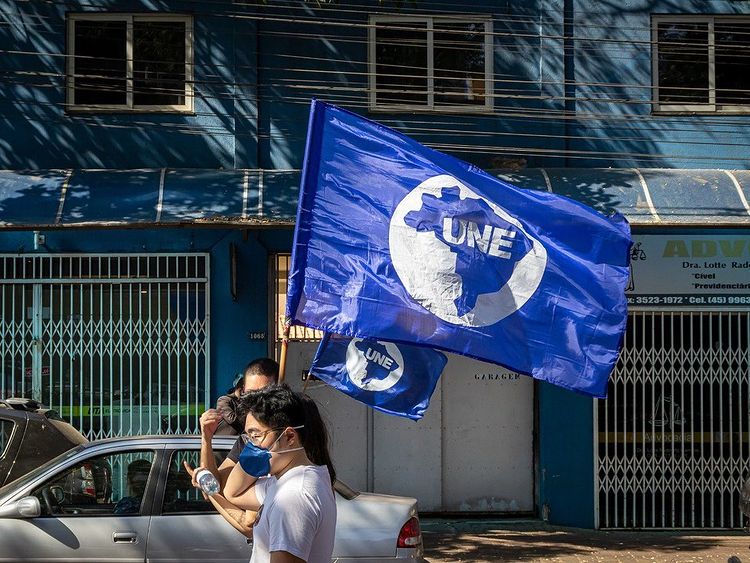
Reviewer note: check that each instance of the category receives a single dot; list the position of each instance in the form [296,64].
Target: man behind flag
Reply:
[395,379]
[399,242]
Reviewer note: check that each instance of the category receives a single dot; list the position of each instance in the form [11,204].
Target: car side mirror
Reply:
[26,507]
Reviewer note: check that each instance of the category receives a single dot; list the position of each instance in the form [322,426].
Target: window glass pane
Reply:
[180,496]
[158,63]
[100,62]
[683,62]
[104,485]
[6,429]
[732,63]
[459,63]
[401,63]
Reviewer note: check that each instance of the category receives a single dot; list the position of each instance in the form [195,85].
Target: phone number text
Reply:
[687,300]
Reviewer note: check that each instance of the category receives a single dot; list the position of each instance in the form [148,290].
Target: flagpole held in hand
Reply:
[284,346]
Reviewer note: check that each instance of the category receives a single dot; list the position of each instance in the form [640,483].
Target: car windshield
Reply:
[21,481]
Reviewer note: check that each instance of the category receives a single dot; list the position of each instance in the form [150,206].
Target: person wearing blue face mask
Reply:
[256,460]
[285,473]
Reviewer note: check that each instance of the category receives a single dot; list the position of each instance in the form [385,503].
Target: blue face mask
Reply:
[256,461]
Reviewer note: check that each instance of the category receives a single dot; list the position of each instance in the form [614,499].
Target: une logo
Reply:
[373,365]
[461,256]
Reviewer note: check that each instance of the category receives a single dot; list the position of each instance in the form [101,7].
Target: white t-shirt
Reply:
[298,515]
[262,486]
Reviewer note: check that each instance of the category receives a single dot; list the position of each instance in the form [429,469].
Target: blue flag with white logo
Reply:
[393,378]
[397,241]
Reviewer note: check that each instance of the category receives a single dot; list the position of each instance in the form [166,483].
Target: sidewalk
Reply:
[531,540]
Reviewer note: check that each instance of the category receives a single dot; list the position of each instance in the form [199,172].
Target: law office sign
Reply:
[685,271]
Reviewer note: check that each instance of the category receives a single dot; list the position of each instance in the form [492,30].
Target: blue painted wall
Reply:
[36,131]
[256,68]
[613,78]
[524,80]
[566,456]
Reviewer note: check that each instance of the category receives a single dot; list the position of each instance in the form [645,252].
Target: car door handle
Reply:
[125,537]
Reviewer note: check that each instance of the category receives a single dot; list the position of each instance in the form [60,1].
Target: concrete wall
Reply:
[473,452]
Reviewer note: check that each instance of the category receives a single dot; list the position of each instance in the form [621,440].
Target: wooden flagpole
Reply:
[284,346]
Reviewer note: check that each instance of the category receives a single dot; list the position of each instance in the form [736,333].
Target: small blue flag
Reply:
[395,379]
[399,242]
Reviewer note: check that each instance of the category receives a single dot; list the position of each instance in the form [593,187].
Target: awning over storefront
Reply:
[65,198]
[258,198]
[649,196]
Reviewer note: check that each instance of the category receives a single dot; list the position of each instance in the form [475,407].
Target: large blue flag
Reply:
[393,378]
[399,242]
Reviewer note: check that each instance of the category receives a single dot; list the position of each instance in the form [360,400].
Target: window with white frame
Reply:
[131,62]
[701,63]
[434,63]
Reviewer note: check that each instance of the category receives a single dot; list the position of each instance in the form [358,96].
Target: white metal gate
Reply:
[118,344]
[672,438]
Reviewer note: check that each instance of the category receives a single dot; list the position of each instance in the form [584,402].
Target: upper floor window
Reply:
[701,63]
[130,62]
[433,63]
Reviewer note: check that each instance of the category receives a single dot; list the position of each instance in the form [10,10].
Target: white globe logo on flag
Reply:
[364,363]
[427,265]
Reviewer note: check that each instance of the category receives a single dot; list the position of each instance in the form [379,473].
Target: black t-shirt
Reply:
[234,453]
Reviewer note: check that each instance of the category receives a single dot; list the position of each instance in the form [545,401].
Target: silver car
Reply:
[130,500]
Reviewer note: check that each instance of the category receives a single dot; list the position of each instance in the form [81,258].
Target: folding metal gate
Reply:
[118,344]
[672,438]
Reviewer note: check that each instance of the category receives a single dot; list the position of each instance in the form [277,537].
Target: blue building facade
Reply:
[139,128]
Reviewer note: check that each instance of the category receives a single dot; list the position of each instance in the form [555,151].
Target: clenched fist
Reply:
[209,422]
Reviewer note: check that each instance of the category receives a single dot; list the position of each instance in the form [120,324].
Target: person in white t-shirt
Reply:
[286,439]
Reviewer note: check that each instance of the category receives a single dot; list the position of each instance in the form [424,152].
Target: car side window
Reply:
[180,497]
[6,429]
[112,484]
